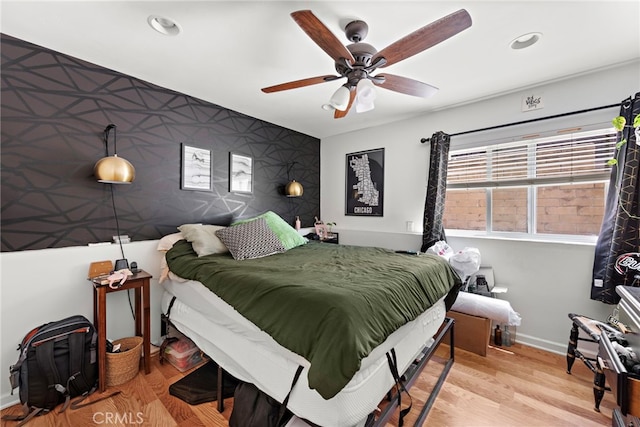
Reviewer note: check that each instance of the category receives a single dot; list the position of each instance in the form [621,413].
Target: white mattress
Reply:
[251,355]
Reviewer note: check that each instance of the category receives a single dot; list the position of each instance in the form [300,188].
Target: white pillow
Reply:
[169,240]
[164,245]
[164,269]
[203,238]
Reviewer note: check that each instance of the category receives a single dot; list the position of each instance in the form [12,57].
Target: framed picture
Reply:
[196,169]
[240,173]
[365,183]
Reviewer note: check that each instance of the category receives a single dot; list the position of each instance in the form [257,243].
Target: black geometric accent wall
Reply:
[54,111]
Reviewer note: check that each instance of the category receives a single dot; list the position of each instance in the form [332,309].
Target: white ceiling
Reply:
[229,50]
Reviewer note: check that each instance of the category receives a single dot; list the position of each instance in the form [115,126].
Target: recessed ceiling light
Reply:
[525,40]
[163,25]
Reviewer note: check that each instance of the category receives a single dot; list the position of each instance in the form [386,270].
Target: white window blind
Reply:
[566,158]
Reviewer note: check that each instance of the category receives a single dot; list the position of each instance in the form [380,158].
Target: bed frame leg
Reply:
[443,376]
[220,390]
[414,372]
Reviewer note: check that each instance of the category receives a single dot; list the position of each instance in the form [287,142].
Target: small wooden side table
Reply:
[140,282]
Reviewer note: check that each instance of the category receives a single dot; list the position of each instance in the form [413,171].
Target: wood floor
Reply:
[512,386]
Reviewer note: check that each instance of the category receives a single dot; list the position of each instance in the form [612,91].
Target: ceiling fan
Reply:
[358,61]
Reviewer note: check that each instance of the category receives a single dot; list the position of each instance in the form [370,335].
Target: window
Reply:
[553,186]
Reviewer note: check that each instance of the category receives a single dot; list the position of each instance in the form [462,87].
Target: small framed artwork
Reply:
[240,173]
[196,171]
[365,183]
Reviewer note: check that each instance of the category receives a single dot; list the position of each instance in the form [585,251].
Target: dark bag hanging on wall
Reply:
[254,408]
[57,362]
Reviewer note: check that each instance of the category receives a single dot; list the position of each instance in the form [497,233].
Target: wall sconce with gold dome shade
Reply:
[113,169]
[293,187]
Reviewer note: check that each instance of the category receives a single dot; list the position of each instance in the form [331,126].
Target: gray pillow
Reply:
[203,238]
[250,240]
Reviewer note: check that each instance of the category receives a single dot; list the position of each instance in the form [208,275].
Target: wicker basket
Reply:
[123,366]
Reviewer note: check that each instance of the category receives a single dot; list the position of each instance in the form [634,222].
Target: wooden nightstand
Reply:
[140,282]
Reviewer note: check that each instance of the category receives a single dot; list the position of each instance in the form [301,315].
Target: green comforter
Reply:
[331,304]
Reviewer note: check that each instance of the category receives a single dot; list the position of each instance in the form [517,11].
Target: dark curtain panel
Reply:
[436,189]
[617,257]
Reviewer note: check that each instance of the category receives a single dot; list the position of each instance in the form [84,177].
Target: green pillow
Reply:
[288,235]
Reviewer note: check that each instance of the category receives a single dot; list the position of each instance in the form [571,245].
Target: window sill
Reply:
[523,237]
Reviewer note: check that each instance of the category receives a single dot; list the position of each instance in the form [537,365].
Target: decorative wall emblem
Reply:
[628,262]
[532,102]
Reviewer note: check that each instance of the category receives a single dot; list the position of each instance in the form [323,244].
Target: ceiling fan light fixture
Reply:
[365,95]
[359,60]
[165,26]
[525,41]
[339,100]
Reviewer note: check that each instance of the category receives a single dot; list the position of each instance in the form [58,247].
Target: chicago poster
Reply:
[365,183]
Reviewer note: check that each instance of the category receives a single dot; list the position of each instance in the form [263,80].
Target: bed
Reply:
[336,310]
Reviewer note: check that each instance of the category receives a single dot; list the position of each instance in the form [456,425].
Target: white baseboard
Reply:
[9,400]
[586,348]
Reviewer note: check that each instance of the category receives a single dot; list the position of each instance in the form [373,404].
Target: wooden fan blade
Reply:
[407,86]
[425,37]
[338,114]
[300,83]
[321,35]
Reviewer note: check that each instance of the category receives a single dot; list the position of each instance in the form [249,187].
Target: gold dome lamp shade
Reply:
[113,169]
[293,189]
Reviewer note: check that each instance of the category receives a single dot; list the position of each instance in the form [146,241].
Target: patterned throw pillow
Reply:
[250,240]
[288,235]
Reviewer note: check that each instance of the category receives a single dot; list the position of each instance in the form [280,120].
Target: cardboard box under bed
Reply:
[472,333]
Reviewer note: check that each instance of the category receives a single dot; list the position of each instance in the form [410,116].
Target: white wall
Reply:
[546,280]
[46,285]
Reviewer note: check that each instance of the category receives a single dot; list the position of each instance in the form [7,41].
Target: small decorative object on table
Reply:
[497,337]
[330,225]
[321,229]
[117,278]
[506,337]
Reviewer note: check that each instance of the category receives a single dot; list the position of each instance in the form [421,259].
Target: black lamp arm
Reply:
[106,139]
[289,167]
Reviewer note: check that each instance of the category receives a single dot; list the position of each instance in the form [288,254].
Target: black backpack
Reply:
[254,408]
[58,361]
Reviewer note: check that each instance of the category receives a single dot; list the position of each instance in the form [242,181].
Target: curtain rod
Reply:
[423,140]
